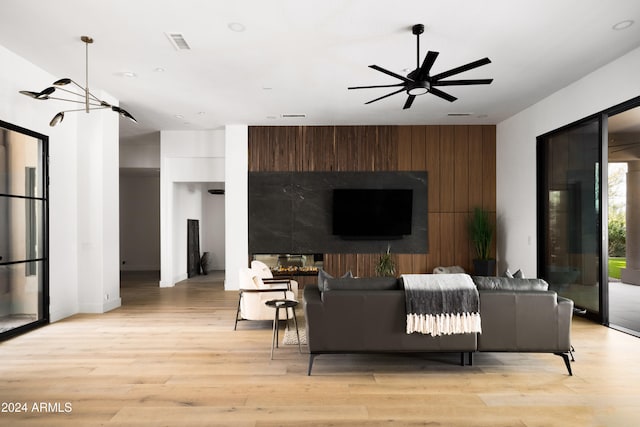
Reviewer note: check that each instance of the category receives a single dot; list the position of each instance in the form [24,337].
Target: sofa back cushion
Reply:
[360,284]
[509,284]
[323,276]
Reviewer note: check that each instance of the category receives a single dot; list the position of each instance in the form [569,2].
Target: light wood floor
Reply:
[170,357]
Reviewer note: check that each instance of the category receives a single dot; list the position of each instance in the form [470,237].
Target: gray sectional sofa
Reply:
[369,315]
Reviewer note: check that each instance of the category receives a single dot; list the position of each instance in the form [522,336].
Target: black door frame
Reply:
[45,302]
[602,118]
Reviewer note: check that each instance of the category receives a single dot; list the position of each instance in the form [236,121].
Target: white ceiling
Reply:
[299,56]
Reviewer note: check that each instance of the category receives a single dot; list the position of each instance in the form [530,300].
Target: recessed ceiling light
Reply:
[201,113]
[179,116]
[482,116]
[159,70]
[266,88]
[623,25]
[129,74]
[236,26]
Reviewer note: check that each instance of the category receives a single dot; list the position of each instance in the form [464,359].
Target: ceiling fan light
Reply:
[419,88]
[56,119]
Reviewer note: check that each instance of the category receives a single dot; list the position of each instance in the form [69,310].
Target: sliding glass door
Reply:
[23,230]
[570,212]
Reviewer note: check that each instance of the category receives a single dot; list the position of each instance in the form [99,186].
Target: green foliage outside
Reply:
[615,264]
[617,236]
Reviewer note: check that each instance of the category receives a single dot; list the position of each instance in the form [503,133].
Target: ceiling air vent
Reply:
[459,114]
[294,116]
[178,41]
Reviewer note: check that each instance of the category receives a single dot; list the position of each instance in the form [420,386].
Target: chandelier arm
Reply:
[70,91]
[83,109]
[94,97]
[77,102]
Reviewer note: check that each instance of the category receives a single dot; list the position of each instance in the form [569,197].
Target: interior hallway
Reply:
[169,356]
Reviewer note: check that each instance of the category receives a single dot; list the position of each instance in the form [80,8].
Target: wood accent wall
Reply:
[460,161]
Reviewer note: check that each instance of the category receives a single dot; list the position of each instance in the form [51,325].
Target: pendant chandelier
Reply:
[85,97]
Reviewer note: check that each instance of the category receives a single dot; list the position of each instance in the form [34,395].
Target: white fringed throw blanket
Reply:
[441,304]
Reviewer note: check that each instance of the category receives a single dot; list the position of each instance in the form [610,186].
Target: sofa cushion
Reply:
[509,284]
[323,276]
[362,283]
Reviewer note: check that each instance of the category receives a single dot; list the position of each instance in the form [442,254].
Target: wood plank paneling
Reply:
[404,148]
[404,264]
[462,255]
[461,169]
[432,161]
[447,169]
[447,239]
[489,168]
[318,148]
[459,160]
[476,177]
[418,148]
[386,156]
[433,256]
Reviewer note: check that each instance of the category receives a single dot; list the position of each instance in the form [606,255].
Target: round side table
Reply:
[286,304]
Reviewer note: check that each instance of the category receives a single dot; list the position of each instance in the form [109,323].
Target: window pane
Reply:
[21,229]
[19,153]
[21,295]
[571,256]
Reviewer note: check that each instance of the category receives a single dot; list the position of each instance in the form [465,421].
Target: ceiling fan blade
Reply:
[409,101]
[429,59]
[461,69]
[371,87]
[441,94]
[384,96]
[390,73]
[462,82]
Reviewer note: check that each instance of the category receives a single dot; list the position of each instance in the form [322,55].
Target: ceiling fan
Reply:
[419,81]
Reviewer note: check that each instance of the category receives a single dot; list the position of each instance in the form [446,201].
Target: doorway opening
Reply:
[623,226]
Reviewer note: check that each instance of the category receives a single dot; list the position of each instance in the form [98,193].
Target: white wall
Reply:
[186,157]
[236,203]
[98,210]
[139,221]
[67,143]
[212,227]
[610,85]
[141,152]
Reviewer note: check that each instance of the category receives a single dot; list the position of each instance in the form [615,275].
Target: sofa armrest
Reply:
[527,321]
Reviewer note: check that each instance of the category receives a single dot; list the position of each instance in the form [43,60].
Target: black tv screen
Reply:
[372,213]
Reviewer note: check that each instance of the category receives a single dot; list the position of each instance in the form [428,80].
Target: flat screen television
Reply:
[372,213]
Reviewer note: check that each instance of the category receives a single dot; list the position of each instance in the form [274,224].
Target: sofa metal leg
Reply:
[311,357]
[462,358]
[471,358]
[573,350]
[567,362]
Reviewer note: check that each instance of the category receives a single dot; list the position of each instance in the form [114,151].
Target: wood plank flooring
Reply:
[170,357]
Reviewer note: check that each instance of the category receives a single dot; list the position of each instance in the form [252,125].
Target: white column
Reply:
[236,203]
[631,274]
[98,211]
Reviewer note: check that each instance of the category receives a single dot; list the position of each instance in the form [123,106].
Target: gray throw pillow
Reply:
[362,283]
[323,276]
[509,284]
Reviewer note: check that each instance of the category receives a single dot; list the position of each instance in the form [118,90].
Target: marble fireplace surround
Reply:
[291,212]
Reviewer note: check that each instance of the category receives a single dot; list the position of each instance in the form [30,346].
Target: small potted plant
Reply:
[386,267]
[481,234]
